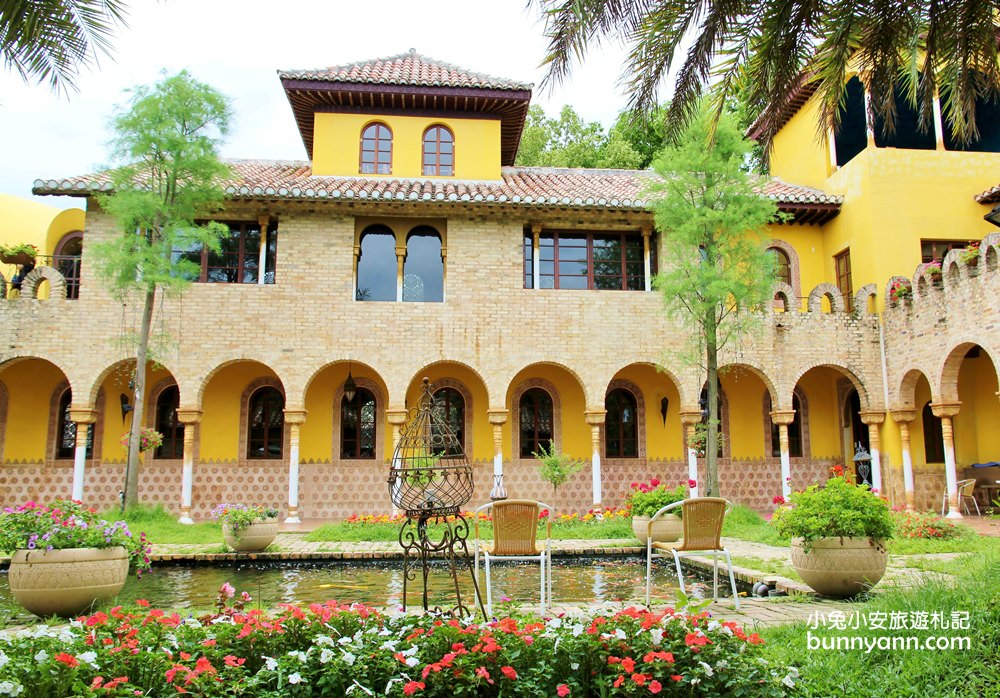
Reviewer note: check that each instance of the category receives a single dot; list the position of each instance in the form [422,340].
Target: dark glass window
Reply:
[66,430]
[266,422]
[423,270]
[794,429]
[851,136]
[536,416]
[67,261]
[166,423]
[357,425]
[377,265]
[238,258]
[450,407]
[935,250]
[621,425]
[782,265]
[439,152]
[599,261]
[842,263]
[376,150]
[933,436]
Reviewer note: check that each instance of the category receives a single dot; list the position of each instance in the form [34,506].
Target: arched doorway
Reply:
[855,434]
[66,260]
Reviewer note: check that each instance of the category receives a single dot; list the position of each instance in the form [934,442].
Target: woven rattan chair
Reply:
[515,537]
[965,495]
[703,517]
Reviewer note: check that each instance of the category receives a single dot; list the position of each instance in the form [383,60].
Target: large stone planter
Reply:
[840,567]
[66,582]
[666,529]
[252,538]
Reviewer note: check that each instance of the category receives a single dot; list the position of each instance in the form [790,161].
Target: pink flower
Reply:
[227,590]
[562,690]
[778,499]
[509,672]
[692,483]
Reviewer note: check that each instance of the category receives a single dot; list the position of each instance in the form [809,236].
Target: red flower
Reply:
[655,687]
[628,664]
[509,672]
[208,643]
[67,659]
[692,483]
[142,602]
[619,681]
[677,677]
[640,679]
[562,690]
[778,499]
[412,687]
[232,660]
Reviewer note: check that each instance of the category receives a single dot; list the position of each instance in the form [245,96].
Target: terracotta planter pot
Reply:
[66,582]
[840,567]
[666,529]
[252,538]
[19,259]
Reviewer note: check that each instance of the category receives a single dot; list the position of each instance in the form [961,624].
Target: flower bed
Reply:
[910,524]
[336,650]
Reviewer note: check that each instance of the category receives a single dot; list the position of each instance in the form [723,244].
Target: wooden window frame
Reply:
[625,237]
[69,264]
[355,406]
[172,447]
[267,441]
[445,405]
[435,164]
[621,435]
[376,140]
[242,256]
[526,451]
[947,245]
[842,272]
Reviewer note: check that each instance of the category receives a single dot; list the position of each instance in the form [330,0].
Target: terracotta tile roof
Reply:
[409,68]
[518,186]
[990,196]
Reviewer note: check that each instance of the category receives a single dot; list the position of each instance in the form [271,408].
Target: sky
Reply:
[238,47]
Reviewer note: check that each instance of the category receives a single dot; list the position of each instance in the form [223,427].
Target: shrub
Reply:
[910,524]
[335,650]
[839,509]
[555,467]
[239,516]
[645,499]
[900,290]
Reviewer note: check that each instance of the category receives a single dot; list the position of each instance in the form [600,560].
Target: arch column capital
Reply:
[945,409]
[690,416]
[497,415]
[188,416]
[784,417]
[872,417]
[82,415]
[595,416]
[295,416]
[396,416]
[903,416]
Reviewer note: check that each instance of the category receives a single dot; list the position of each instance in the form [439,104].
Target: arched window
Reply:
[450,406]
[782,265]
[376,149]
[795,447]
[357,425]
[439,152]
[66,430]
[933,436]
[621,425]
[66,259]
[536,416]
[166,423]
[377,265]
[266,423]
[423,270]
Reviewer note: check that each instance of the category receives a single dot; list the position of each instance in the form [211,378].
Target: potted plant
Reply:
[148,439]
[247,528]
[645,499]
[901,291]
[933,271]
[65,558]
[838,536]
[555,467]
[22,253]
[970,256]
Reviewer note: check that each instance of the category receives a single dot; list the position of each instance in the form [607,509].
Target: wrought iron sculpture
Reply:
[430,479]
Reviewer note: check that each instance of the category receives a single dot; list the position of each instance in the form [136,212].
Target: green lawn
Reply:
[569,530]
[160,526]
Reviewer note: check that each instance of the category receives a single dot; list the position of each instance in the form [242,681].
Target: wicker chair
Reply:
[515,533]
[703,517]
[965,494]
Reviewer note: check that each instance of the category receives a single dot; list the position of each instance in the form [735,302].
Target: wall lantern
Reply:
[350,387]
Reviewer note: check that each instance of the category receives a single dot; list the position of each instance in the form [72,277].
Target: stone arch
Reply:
[784,295]
[640,409]
[381,424]
[951,268]
[123,365]
[207,378]
[924,279]
[908,386]
[57,283]
[467,398]
[888,288]
[3,286]
[444,362]
[861,299]
[755,370]
[988,251]
[670,375]
[793,265]
[241,447]
[831,292]
[515,411]
[850,375]
[588,398]
[948,377]
[383,385]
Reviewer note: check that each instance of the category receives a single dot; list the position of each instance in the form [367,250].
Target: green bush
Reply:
[645,499]
[839,509]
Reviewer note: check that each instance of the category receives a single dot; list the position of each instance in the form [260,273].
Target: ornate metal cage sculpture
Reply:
[430,479]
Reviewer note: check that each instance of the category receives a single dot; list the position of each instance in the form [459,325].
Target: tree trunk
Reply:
[138,401]
[712,436]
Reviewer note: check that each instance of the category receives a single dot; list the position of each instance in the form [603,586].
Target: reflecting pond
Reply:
[380,583]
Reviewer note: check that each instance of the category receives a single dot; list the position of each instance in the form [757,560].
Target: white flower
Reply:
[577,630]
[325,655]
[574,666]
[656,635]
[10,689]
[620,634]
[409,652]
[555,623]
[390,645]
[346,640]
[349,658]
[3,659]
[298,654]
[323,640]
[295,678]
[412,662]
[707,668]
[384,632]
[88,658]
[41,656]
[271,663]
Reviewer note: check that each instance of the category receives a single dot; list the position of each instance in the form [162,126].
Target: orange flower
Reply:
[412,687]
[509,672]
[67,659]
[655,686]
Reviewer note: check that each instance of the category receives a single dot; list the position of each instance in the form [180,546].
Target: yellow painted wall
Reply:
[663,441]
[798,156]
[482,430]
[819,387]
[220,426]
[66,221]
[29,392]
[745,395]
[808,243]
[316,435]
[575,433]
[977,439]
[114,386]
[337,145]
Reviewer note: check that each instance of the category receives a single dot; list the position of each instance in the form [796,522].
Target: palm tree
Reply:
[49,40]
[918,50]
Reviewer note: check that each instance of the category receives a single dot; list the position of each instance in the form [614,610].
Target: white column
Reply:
[690,420]
[646,257]
[783,418]
[945,412]
[497,417]
[83,418]
[190,419]
[904,436]
[400,261]
[294,418]
[262,254]
[595,418]
[536,252]
[874,419]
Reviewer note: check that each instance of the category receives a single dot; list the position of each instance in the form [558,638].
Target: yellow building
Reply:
[409,245]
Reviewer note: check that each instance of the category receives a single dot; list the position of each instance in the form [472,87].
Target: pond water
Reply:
[380,584]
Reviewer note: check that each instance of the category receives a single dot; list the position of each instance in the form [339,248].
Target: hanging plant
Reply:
[148,438]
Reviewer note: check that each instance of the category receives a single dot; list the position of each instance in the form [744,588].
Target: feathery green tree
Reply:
[169,176]
[720,275]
